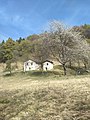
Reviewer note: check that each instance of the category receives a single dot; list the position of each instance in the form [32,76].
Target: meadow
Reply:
[44,96]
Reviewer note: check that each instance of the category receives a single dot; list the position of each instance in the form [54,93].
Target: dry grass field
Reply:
[45,97]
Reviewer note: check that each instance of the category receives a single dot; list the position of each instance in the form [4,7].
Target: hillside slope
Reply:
[44,98]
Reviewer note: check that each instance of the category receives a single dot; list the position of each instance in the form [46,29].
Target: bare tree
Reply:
[41,50]
[65,44]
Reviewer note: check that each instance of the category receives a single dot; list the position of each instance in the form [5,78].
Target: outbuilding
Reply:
[47,65]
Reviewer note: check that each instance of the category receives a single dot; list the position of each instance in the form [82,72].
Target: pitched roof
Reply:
[36,61]
[48,61]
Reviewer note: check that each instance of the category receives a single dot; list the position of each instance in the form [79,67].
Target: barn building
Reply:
[47,65]
[31,65]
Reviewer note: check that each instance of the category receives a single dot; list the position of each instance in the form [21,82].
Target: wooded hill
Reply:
[61,43]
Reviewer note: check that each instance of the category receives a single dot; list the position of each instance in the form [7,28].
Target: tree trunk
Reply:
[64,68]
[41,66]
[70,64]
[85,66]
[16,65]
[78,64]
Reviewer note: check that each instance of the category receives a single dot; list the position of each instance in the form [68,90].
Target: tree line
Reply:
[60,42]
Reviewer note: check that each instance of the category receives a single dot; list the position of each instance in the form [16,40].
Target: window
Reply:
[31,63]
[27,63]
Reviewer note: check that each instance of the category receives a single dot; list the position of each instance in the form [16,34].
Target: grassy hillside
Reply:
[44,97]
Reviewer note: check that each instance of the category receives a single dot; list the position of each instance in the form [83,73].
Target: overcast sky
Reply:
[20,18]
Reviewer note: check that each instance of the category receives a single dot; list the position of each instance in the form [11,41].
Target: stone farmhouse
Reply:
[47,65]
[31,65]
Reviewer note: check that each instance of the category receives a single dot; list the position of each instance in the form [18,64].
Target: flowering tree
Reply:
[65,43]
